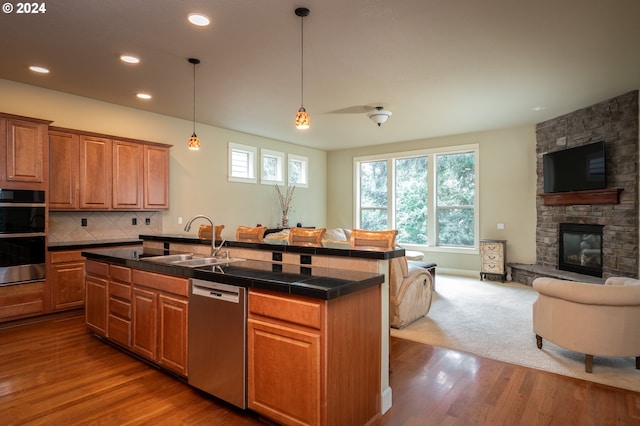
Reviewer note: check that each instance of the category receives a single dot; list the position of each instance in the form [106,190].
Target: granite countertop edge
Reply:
[327,284]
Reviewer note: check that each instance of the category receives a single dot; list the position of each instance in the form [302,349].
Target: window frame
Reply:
[264,153]
[305,172]
[432,207]
[252,153]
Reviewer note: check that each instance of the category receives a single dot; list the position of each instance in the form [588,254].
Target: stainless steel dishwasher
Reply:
[217,340]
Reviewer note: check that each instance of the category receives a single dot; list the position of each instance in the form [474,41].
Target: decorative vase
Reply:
[285,221]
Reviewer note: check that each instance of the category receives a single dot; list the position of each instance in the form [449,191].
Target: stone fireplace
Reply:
[616,122]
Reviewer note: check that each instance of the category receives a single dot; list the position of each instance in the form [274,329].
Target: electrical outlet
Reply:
[134,221]
[83,222]
[180,220]
[501,226]
[147,221]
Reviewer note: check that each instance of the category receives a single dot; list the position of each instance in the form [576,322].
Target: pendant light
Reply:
[302,118]
[194,141]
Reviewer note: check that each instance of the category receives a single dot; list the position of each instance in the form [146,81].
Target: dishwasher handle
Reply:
[222,292]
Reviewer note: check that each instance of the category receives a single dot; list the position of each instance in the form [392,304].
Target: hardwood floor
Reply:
[54,372]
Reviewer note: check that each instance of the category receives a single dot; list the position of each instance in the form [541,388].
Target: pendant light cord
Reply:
[194,98]
[302,60]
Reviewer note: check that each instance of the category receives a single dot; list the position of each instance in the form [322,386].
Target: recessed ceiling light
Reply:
[198,19]
[129,59]
[538,108]
[40,70]
[143,95]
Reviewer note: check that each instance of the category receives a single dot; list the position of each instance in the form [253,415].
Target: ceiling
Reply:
[442,67]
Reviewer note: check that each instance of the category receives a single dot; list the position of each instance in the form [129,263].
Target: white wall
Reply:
[198,178]
[507,190]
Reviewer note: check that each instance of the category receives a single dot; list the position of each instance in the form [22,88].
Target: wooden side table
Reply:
[493,254]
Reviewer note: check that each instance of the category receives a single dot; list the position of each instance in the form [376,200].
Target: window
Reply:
[298,171]
[242,163]
[430,197]
[272,167]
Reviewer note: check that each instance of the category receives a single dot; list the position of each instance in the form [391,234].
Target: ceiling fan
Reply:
[377,113]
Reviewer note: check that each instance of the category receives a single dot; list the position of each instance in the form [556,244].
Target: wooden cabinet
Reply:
[64,154]
[66,277]
[95,173]
[24,155]
[156,177]
[172,333]
[493,255]
[141,311]
[96,296]
[100,172]
[145,322]
[127,175]
[22,300]
[314,362]
[160,313]
[120,308]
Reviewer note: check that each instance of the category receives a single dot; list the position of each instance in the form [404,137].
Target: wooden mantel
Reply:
[596,196]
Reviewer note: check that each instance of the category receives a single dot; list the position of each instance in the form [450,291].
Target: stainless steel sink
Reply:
[205,261]
[191,260]
[171,258]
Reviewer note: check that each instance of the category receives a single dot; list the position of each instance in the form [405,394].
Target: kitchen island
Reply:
[314,332]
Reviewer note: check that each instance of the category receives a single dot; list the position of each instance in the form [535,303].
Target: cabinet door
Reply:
[95,173]
[63,170]
[67,285]
[127,175]
[284,373]
[156,177]
[172,345]
[96,304]
[25,153]
[144,323]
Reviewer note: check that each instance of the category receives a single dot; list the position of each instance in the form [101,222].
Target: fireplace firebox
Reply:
[580,248]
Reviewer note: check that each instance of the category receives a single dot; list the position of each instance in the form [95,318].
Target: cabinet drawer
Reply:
[290,309]
[175,285]
[120,308]
[492,248]
[121,291]
[493,268]
[120,273]
[65,256]
[120,330]
[96,268]
[492,257]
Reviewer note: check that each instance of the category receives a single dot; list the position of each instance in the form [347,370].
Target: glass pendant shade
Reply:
[194,142]
[302,119]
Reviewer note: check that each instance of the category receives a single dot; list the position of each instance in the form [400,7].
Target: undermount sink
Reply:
[191,260]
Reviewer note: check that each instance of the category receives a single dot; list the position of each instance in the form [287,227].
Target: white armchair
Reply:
[593,319]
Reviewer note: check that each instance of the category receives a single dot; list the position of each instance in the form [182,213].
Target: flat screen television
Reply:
[575,169]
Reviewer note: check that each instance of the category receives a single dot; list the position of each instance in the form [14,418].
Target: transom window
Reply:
[429,196]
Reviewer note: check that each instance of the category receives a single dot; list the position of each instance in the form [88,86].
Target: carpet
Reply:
[494,320]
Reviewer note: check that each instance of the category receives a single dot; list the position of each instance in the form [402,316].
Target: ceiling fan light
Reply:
[379,116]
[302,119]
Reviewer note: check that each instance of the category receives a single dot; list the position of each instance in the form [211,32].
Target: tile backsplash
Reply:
[67,226]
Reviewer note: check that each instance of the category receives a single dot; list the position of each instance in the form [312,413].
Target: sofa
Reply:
[593,319]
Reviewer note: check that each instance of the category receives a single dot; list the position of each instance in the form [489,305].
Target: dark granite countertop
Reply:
[309,281]
[79,245]
[325,248]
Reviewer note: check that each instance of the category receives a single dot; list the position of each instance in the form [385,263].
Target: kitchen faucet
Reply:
[214,249]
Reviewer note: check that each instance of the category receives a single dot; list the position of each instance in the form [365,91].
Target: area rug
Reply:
[494,320]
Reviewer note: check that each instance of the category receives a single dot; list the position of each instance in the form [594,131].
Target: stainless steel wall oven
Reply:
[22,236]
